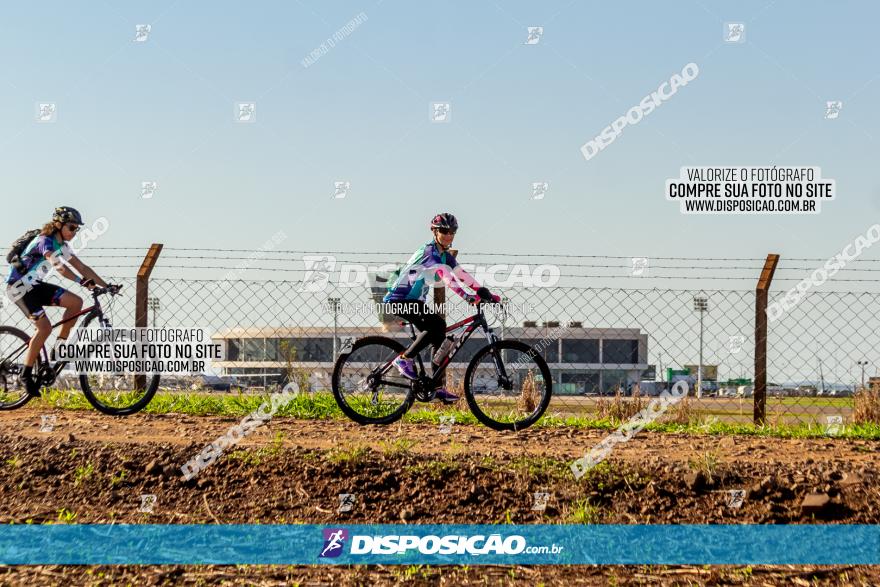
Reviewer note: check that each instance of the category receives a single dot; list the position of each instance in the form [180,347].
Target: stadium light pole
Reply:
[862,364]
[334,307]
[701,305]
[153,304]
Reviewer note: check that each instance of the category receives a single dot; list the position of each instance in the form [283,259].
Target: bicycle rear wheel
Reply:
[508,386]
[13,348]
[363,394]
[117,394]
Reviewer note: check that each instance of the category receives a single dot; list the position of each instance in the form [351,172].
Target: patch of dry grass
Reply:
[618,408]
[866,406]
[529,396]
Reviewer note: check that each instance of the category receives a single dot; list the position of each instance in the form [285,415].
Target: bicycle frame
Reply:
[469,325]
[59,365]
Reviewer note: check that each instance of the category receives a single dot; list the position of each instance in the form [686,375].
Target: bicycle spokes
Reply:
[511,391]
[116,390]
[368,388]
[13,346]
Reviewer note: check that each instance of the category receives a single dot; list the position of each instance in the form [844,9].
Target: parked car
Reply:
[217,383]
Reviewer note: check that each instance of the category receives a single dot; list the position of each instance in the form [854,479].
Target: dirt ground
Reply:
[291,471]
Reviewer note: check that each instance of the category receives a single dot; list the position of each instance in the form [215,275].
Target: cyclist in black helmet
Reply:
[31,294]
[409,291]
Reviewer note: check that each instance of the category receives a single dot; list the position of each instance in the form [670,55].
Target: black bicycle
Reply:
[113,394]
[507,383]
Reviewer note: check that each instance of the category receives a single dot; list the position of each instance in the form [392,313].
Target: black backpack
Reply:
[13,257]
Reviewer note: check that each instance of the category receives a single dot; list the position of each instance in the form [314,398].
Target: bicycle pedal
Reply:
[32,386]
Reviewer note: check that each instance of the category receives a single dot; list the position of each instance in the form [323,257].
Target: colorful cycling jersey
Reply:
[410,283]
[33,255]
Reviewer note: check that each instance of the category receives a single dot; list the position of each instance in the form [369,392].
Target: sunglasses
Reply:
[446,231]
[72,227]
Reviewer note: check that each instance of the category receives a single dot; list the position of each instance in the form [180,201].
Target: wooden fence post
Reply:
[760,389]
[439,300]
[140,299]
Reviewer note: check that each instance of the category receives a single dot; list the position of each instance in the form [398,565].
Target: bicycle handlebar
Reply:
[483,302]
[486,297]
[111,289]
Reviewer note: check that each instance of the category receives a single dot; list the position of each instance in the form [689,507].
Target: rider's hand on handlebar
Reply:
[113,288]
[487,296]
[484,296]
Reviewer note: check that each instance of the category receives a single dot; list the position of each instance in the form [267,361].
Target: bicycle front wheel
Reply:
[508,385]
[118,394]
[362,392]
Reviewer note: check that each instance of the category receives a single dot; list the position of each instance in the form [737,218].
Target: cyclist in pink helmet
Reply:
[409,291]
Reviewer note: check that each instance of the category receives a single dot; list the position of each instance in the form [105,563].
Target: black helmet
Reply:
[444,220]
[64,214]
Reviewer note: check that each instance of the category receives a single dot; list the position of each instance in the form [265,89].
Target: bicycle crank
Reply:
[424,391]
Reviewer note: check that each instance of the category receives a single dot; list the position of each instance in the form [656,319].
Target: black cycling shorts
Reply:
[420,314]
[41,294]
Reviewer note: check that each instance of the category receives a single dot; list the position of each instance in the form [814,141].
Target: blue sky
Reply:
[163,110]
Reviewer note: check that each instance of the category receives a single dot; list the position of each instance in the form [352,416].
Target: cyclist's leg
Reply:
[435,324]
[72,304]
[425,321]
[31,304]
[43,328]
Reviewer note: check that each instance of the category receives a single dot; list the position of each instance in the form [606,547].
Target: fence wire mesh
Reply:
[610,346]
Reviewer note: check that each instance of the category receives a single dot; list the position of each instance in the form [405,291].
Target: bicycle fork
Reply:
[503,380]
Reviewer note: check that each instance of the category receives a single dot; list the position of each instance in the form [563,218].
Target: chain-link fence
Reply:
[610,348]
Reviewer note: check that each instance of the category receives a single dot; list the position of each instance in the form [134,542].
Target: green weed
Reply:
[321,405]
[66,516]
[583,512]
[707,463]
[353,455]
[400,446]
[83,474]
[117,478]
[434,469]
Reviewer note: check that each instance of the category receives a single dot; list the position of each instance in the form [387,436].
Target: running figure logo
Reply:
[734,32]
[246,112]
[539,189]
[334,540]
[832,109]
[736,343]
[148,189]
[535,34]
[639,266]
[735,498]
[318,268]
[47,112]
[341,188]
[441,112]
[142,32]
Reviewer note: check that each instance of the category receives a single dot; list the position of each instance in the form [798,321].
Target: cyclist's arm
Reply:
[466,278]
[453,277]
[84,270]
[449,278]
[59,263]
[451,273]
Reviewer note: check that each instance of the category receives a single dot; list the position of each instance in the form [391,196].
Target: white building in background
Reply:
[582,361]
